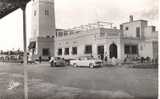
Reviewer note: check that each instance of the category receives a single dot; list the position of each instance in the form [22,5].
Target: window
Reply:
[65,33]
[131,49]
[153,29]
[137,32]
[74,50]
[35,12]
[45,52]
[127,49]
[126,28]
[60,34]
[88,49]
[60,51]
[71,32]
[66,52]
[134,49]
[47,12]
[102,34]
[121,27]
[100,50]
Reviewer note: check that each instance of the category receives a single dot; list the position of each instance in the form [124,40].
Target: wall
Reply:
[90,37]
[146,49]
[35,19]
[131,32]
[149,34]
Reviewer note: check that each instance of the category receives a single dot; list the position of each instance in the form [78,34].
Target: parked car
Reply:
[57,61]
[87,62]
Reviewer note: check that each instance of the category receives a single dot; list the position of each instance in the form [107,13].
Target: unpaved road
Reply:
[67,82]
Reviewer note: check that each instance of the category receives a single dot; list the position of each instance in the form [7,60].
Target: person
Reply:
[49,57]
[114,61]
[105,58]
[40,59]
[51,61]
[142,59]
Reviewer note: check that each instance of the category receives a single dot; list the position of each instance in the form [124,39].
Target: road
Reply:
[67,82]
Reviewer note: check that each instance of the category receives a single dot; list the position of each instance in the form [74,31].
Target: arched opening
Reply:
[113,50]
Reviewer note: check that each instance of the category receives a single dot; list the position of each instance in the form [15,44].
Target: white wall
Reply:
[46,22]
[146,49]
[131,32]
[43,25]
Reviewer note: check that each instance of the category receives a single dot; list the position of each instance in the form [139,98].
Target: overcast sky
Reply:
[70,13]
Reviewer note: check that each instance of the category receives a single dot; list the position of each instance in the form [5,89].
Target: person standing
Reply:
[51,61]
[40,59]
[106,56]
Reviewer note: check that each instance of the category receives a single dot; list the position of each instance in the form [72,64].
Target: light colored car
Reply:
[87,62]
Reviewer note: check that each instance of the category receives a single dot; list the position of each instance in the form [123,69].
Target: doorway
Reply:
[113,50]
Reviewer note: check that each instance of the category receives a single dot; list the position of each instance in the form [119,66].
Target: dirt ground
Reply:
[45,82]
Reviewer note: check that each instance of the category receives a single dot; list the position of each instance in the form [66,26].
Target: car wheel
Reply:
[91,65]
[74,65]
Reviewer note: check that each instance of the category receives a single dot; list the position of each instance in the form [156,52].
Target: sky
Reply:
[70,13]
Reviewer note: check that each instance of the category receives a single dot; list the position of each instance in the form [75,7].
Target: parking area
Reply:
[67,82]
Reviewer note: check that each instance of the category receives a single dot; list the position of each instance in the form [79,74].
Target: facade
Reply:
[134,39]
[43,29]
[100,40]
[139,39]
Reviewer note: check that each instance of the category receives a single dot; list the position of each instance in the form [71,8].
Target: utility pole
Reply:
[25,52]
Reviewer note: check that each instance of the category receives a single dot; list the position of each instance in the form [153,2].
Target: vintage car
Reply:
[87,62]
[57,61]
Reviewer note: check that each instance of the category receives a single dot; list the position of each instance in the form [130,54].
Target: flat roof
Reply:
[134,21]
[8,6]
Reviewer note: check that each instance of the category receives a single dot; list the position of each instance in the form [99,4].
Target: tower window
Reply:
[47,12]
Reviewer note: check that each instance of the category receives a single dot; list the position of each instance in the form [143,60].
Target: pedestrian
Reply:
[105,58]
[114,61]
[40,59]
[51,61]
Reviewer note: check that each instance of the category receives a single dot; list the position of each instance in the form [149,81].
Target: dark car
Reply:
[57,61]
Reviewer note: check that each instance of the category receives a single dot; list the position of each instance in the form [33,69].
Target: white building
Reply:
[134,38]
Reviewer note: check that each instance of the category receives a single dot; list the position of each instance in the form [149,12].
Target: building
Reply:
[43,29]
[134,38]
[139,39]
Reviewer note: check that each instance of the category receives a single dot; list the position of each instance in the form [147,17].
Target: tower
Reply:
[43,29]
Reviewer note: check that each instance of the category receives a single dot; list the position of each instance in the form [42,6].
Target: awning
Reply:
[32,45]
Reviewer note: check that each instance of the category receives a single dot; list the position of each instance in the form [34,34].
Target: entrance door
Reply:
[100,51]
[113,50]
